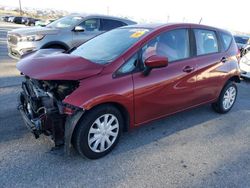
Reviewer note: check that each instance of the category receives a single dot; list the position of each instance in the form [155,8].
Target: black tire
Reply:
[218,105]
[81,133]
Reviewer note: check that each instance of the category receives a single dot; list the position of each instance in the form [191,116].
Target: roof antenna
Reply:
[200,20]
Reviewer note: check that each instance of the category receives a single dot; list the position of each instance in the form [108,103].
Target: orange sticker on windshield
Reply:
[138,33]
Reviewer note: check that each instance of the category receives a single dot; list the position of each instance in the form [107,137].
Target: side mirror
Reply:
[79,28]
[153,62]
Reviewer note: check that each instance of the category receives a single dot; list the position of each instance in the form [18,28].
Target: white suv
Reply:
[64,33]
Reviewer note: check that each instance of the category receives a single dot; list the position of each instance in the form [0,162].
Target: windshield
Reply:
[241,40]
[65,22]
[108,46]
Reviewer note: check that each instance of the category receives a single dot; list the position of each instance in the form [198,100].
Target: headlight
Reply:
[31,38]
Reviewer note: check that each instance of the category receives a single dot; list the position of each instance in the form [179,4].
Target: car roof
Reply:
[125,20]
[154,26]
[147,26]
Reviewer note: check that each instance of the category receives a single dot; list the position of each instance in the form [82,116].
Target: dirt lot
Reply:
[197,148]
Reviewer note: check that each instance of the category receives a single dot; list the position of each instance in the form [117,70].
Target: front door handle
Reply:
[188,69]
[223,60]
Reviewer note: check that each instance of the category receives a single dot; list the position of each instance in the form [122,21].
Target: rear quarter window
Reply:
[111,24]
[226,40]
[206,41]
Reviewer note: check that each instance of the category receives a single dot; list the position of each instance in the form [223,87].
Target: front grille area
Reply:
[12,39]
[15,54]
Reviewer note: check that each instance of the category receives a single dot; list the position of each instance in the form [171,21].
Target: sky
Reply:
[227,14]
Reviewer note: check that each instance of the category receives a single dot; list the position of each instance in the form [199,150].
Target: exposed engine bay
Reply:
[42,108]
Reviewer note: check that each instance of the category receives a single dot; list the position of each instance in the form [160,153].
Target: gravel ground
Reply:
[196,148]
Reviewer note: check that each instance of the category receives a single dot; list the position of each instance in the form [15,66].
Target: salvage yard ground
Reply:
[196,148]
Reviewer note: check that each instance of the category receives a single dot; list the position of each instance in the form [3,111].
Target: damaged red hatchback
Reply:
[124,78]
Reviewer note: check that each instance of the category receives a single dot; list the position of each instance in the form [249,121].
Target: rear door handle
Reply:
[188,69]
[223,60]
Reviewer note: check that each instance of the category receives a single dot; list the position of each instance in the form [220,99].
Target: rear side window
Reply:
[206,41]
[111,24]
[91,24]
[226,40]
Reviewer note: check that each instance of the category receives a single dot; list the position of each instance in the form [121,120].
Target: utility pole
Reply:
[20,7]
[200,20]
[107,10]
[168,18]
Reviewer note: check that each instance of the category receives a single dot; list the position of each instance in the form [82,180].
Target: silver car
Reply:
[64,33]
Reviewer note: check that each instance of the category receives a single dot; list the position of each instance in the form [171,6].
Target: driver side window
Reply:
[149,49]
[91,24]
[172,44]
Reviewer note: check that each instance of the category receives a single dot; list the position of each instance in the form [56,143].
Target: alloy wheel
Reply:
[229,98]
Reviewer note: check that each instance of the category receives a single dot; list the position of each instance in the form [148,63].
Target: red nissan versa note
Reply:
[124,78]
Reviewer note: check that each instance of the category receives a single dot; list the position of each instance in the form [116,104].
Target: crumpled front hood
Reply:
[51,64]
[26,31]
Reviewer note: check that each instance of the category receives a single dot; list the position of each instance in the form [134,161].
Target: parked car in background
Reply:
[64,34]
[24,20]
[31,21]
[245,65]
[6,18]
[17,20]
[43,23]
[11,18]
[243,43]
[124,78]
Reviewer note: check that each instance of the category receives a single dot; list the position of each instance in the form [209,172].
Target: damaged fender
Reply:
[70,125]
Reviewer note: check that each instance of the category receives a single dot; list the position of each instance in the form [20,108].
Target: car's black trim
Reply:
[59,43]
[30,124]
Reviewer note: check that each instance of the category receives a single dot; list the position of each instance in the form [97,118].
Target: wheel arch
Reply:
[124,112]
[234,79]
[73,122]
[56,43]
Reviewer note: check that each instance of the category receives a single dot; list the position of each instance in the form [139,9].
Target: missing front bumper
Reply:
[33,125]
[44,114]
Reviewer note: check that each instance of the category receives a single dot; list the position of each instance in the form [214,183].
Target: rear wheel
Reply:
[98,132]
[227,98]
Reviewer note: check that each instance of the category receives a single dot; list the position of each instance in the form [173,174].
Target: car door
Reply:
[91,29]
[211,64]
[170,89]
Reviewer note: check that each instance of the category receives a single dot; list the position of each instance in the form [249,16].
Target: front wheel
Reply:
[227,98]
[98,132]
